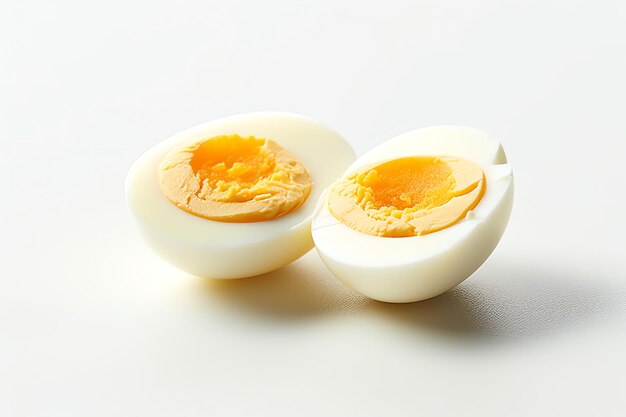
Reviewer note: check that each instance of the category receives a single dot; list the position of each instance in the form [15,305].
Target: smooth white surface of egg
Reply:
[236,250]
[415,268]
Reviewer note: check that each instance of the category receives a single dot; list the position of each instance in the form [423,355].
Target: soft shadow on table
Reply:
[501,301]
[522,304]
[297,291]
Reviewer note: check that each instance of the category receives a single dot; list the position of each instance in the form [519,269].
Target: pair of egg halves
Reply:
[248,194]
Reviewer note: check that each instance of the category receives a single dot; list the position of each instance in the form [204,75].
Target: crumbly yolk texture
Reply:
[231,178]
[409,196]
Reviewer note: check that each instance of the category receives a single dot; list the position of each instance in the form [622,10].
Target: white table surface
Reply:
[92,323]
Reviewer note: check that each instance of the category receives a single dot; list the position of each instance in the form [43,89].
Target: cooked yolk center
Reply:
[235,179]
[408,196]
[232,159]
[419,182]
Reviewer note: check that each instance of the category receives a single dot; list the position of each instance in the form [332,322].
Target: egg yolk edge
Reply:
[231,178]
[409,196]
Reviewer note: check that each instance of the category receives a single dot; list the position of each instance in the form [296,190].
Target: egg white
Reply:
[236,250]
[416,268]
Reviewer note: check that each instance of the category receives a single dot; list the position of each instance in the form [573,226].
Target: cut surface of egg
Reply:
[416,215]
[234,197]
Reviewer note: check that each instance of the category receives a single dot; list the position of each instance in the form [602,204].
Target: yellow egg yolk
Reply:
[235,179]
[231,163]
[409,196]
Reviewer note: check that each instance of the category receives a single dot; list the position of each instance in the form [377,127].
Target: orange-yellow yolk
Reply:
[235,179]
[232,159]
[408,196]
[417,183]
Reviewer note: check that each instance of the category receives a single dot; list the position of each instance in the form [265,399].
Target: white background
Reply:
[92,323]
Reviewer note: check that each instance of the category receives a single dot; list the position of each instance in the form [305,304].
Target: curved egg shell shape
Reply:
[236,250]
[409,269]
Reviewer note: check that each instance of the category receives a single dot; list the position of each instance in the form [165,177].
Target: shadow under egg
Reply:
[512,302]
[501,302]
[298,290]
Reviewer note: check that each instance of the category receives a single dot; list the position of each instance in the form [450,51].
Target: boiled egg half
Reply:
[416,215]
[234,197]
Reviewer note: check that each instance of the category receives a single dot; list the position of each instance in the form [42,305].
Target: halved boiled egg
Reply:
[234,197]
[416,215]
